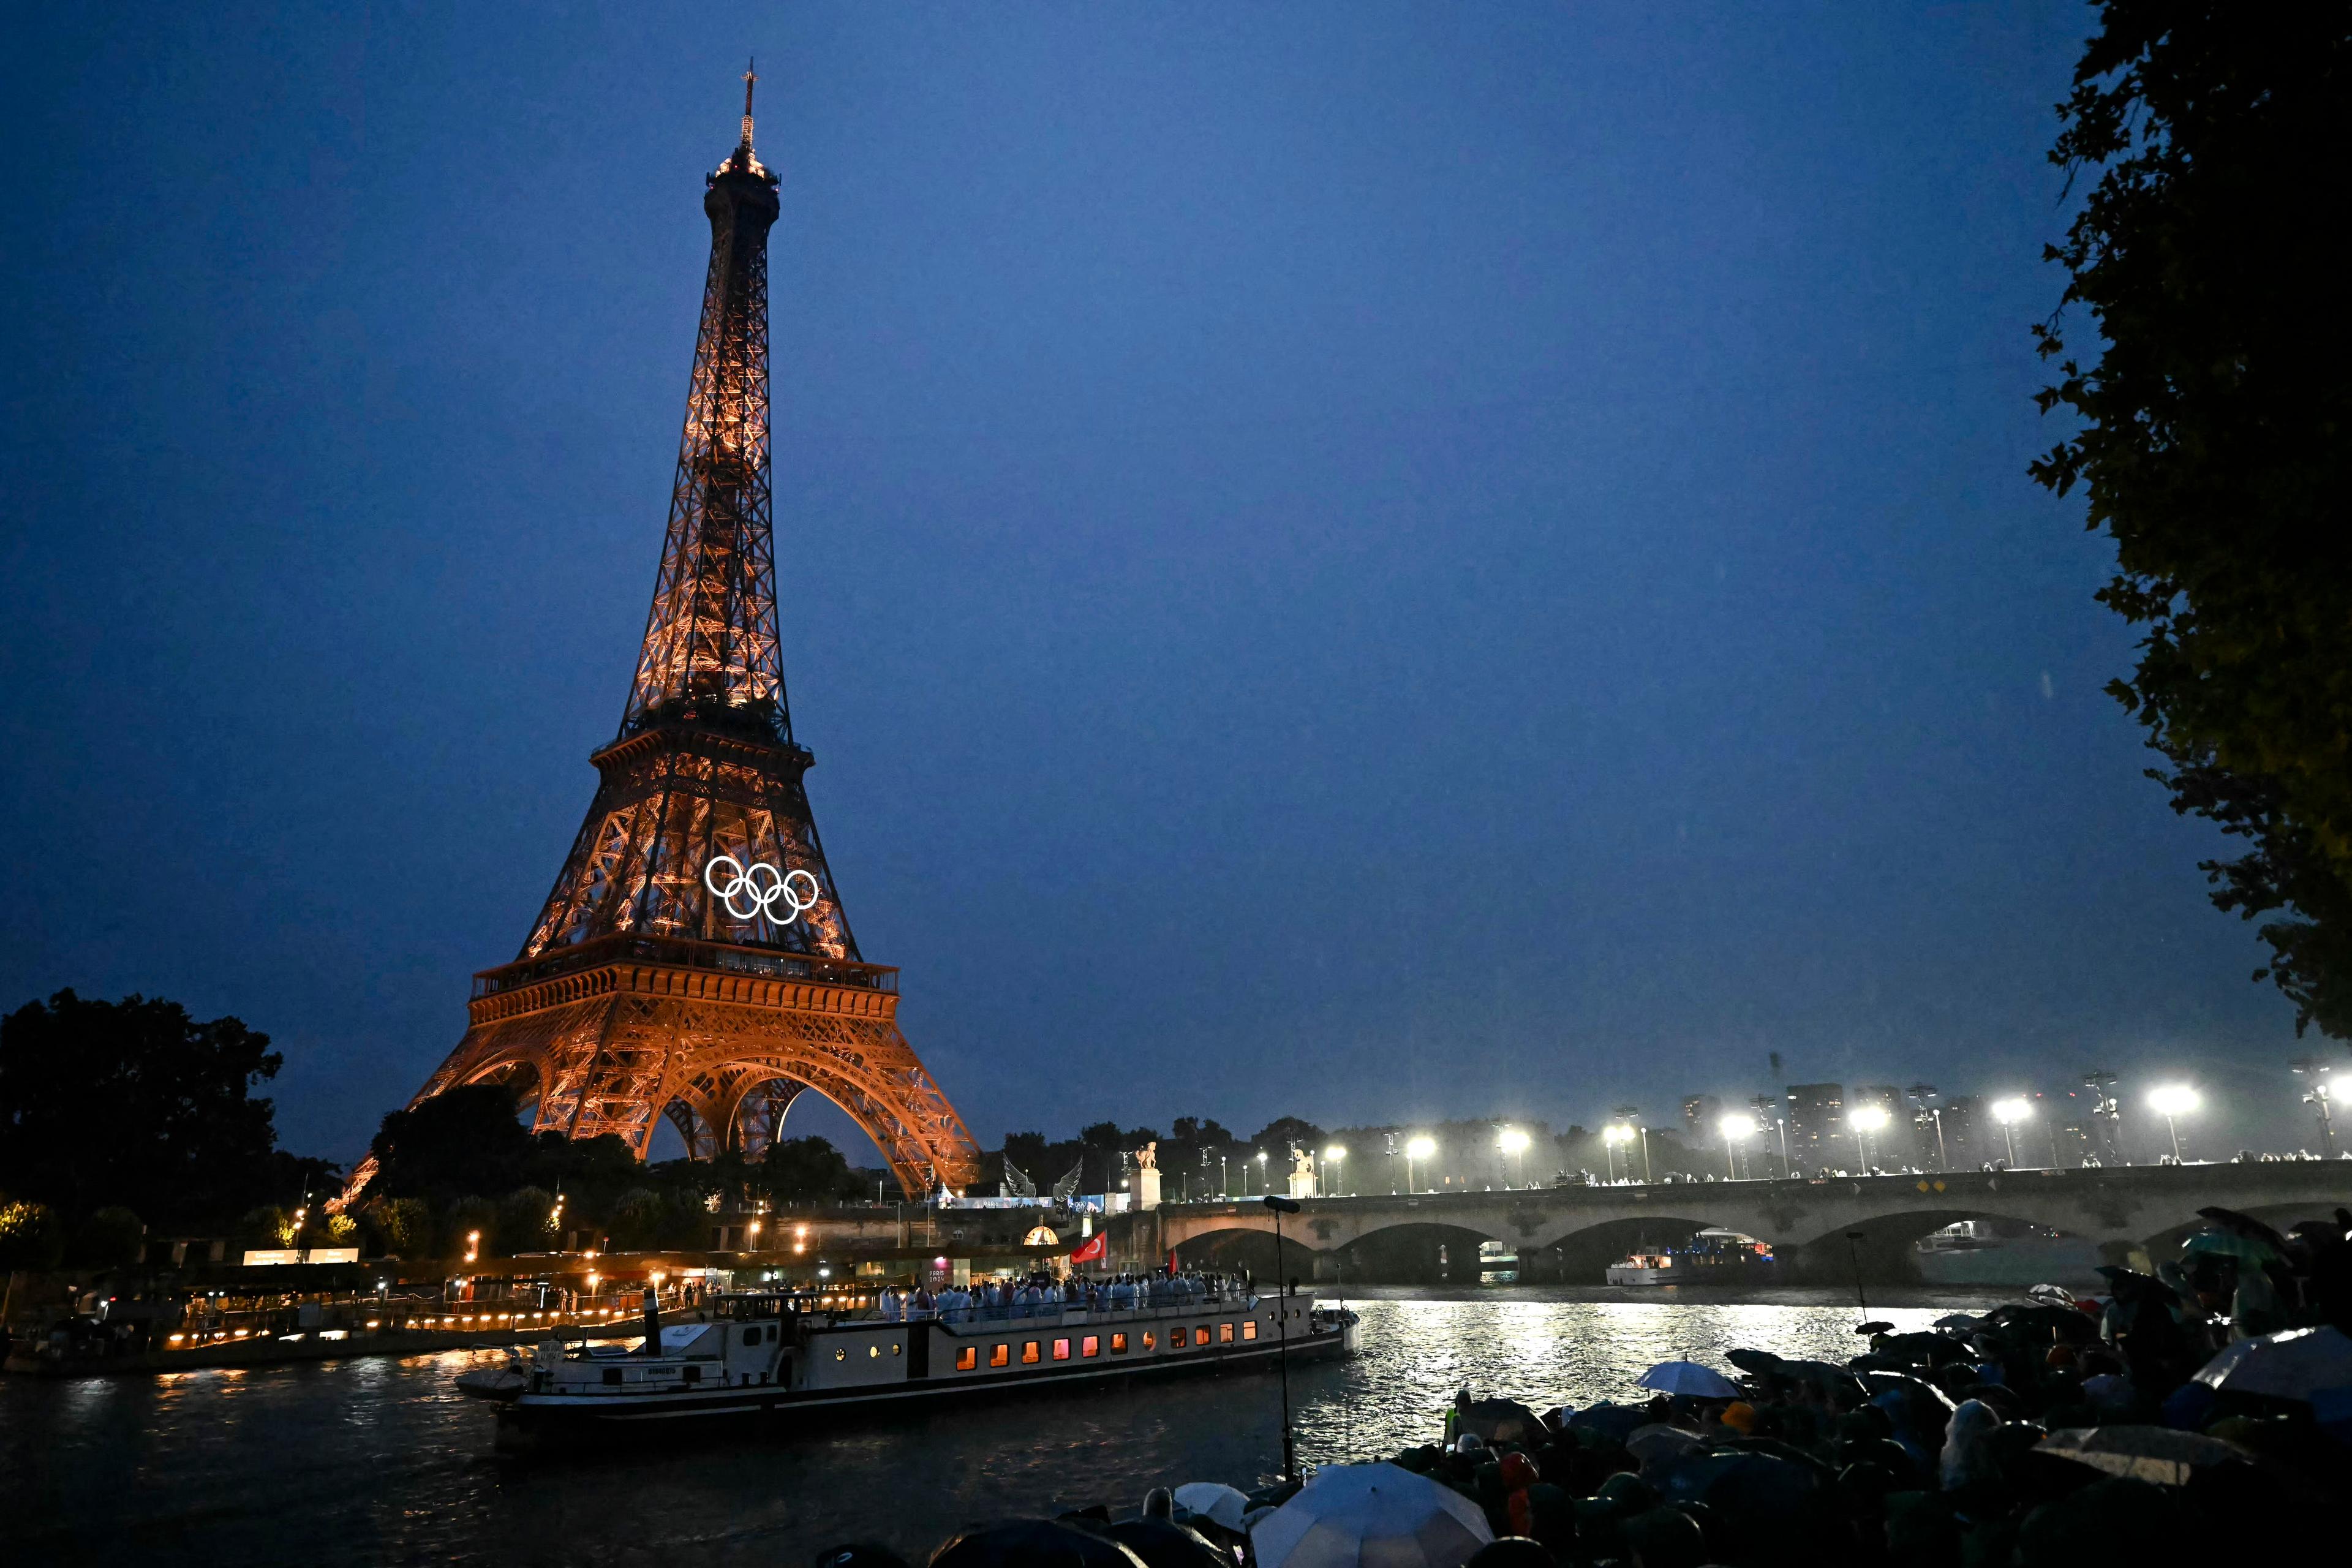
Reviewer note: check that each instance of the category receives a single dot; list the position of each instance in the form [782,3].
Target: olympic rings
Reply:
[763,898]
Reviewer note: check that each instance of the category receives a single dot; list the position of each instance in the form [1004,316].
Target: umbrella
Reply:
[1500,1421]
[1161,1543]
[2294,1363]
[2244,1224]
[1370,1514]
[2251,1250]
[1660,1441]
[1874,1326]
[1958,1320]
[1836,1379]
[2157,1454]
[1755,1491]
[1689,1378]
[1031,1543]
[1214,1501]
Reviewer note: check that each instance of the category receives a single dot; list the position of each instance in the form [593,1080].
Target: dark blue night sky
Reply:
[1377,562]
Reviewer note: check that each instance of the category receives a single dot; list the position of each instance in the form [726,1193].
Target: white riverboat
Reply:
[772,1351]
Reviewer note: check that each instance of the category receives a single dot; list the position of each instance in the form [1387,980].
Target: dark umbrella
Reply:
[1163,1544]
[2068,1323]
[1030,1543]
[1874,1328]
[1753,1491]
[2156,1454]
[1500,1421]
[2244,1224]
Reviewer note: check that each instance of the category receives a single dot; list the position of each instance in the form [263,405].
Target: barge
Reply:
[764,1351]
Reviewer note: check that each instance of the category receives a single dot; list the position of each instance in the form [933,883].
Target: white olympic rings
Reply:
[781,887]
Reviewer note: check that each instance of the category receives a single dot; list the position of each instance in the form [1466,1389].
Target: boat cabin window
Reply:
[1061,1350]
[1029,1353]
[752,1336]
[967,1358]
[1001,1356]
[1147,1339]
[1249,1329]
[1091,1345]
[1119,1345]
[1224,1334]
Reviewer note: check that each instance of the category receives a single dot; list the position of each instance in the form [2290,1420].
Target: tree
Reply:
[2215,439]
[800,1170]
[135,1103]
[462,1140]
[1277,1135]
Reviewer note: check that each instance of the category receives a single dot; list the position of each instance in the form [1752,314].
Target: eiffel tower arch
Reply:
[693,960]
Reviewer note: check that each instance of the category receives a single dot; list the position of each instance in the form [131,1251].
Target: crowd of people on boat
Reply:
[1045,1294]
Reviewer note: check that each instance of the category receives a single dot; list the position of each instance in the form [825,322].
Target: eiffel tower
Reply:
[693,960]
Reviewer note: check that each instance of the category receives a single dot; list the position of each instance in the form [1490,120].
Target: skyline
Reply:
[1568,657]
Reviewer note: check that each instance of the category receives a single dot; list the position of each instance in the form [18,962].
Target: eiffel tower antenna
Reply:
[751,79]
[693,960]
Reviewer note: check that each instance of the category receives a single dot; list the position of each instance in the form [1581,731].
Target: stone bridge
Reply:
[1570,1233]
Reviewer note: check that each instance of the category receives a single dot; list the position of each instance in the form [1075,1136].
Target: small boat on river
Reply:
[766,1351]
[1710,1257]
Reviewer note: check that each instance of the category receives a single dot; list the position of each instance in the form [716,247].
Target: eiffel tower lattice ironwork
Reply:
[693,960]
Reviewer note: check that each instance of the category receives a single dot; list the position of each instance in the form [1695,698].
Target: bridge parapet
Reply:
[2121,1208]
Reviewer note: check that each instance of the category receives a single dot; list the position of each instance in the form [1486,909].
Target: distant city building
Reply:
[1965,1126]
[1700,1114]
[1817,1134]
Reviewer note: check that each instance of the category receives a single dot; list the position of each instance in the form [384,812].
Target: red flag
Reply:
[1093,1251]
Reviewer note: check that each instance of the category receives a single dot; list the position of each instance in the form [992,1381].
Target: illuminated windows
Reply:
[1249,1329]
[1147,1339]
[1001,1356]
[1061,1350]
[1119,1345]
[1029,1353]
[1091,1346]
[968,1358]
[1224,1334]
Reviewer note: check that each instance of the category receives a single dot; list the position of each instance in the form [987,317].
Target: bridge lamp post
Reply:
[1514,1142]
[1263,1185]
[1417,1149]
[2008,1114]
[1616,1132]
[1735,1126]
[1866,1119]
[2319,1094]
[1336,1155]
[2173,1101]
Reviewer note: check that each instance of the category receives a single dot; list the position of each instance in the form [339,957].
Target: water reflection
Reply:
[381,1461]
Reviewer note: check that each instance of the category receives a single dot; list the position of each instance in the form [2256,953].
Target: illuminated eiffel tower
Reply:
[693,960]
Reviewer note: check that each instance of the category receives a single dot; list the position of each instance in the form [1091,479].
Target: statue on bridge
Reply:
[1302,1174]
[1147,1175]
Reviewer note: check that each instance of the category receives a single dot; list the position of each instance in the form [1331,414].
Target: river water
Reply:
[382,1461]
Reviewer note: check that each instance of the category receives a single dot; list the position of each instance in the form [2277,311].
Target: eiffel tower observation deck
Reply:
[693,960]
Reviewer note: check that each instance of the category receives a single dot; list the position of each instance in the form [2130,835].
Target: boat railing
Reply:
[1069,1313]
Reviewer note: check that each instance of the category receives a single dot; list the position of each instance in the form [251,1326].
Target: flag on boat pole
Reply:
[1093,1251]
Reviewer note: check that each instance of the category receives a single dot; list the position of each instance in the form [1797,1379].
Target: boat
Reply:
[775,1351]
[2004,1252]
[1711,1257]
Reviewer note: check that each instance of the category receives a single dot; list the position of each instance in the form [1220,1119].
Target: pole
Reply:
[2008,1136]
[2173,1127]
[1853,1251]
[1282,1332]
[1649,1176]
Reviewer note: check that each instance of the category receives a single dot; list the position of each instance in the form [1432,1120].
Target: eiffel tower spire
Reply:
[711,635]
[692,959]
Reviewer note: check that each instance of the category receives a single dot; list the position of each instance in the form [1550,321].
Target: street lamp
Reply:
[1735,1126]
[1419,1149]
[1866,1119]
[2319,1094]
[1632,1116]
[2008,1114]
[1336,1154]
[1616,1132]
[1514,1142]
[1261,1173]
[2172,1102]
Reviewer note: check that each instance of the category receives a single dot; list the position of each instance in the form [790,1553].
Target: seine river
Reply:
[381,1461]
